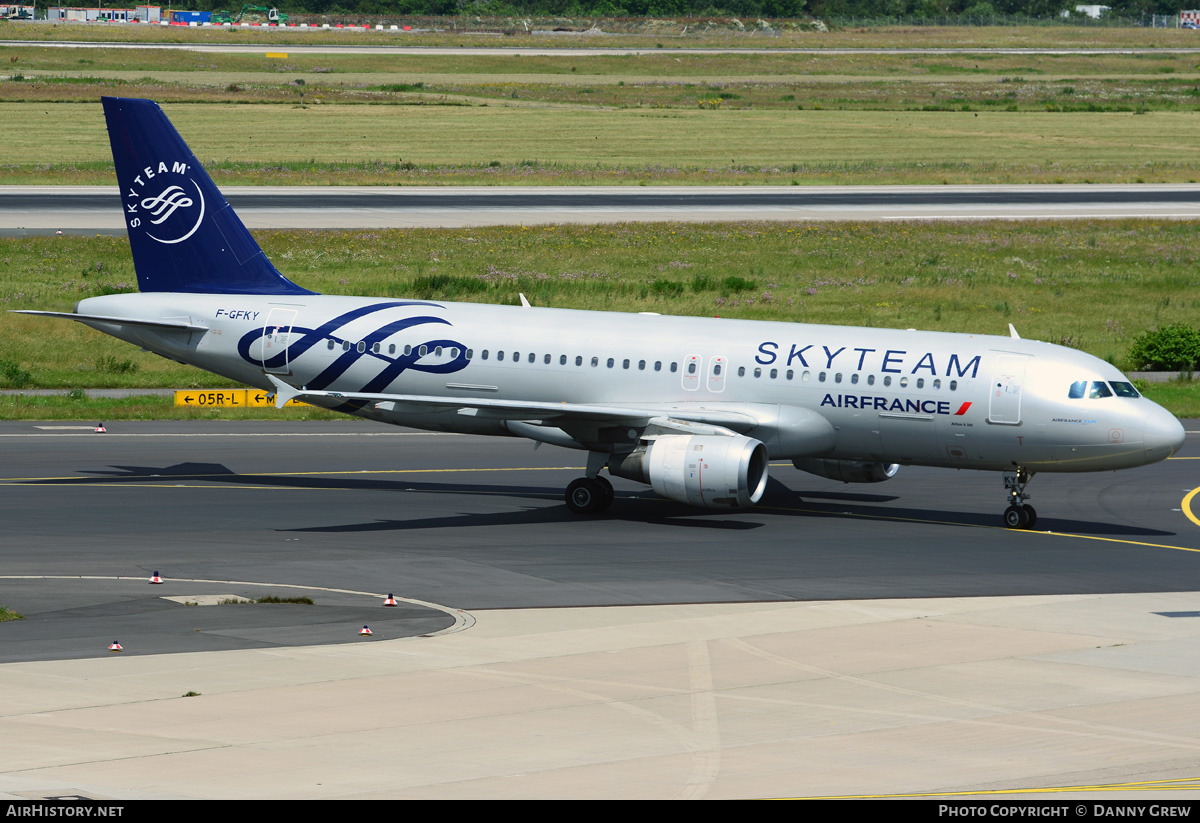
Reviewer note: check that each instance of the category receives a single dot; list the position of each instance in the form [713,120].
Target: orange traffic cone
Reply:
[115,647]
[100,428]
[365,632]
[156,578]
[391,600]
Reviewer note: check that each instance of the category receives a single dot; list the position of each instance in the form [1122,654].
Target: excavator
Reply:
[273,15]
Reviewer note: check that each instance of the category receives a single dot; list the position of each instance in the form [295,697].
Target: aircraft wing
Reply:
[526,410]
[162,325]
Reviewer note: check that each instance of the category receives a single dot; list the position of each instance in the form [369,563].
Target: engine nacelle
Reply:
[848,471]
[712,471]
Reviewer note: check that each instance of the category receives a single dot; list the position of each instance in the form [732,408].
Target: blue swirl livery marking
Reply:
[393,365]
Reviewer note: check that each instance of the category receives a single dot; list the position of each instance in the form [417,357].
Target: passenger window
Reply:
[821,377]
[691,368]
[903,382]
[937,384]
[658,365]
[624,364]
[790,374]
[887,380]
[717,370]
[424,350]
[1078,390]
[920,382]
[674,367]
[516,357]
[578,360]
[562,360]
[804,377]
[408,349]
[641,365]
[375,348]
[391,348]
[330,344]
[595,362]
[1099,390]
[345,345]
[837,378]
[499,354]
[485,354]
[854,378]
[610,362]
[362,346]
[741,371]
[437,352]
[758,372]
[547,360]
[470,354]
[533,357]
[953,385]
[870,380]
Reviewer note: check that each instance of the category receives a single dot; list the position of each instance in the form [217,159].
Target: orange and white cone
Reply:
[100,428]
[115,647]
[391,600]
[365,632]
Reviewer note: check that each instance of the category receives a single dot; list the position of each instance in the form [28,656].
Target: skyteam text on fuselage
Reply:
[695,407]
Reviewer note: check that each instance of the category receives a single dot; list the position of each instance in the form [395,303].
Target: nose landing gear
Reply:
[1019,514]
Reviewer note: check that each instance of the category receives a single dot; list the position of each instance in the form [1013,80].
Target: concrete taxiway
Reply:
[32,210]
[837,640]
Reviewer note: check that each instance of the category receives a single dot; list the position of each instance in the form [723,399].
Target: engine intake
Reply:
[848,471]
[712,471]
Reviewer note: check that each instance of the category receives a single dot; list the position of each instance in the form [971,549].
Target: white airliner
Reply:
[695,407]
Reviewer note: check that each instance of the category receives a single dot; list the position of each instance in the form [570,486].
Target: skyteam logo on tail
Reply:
[166,208]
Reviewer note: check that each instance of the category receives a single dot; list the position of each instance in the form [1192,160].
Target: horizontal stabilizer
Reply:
[167,325]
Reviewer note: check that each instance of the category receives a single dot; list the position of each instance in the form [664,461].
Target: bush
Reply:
[12,375]
[1169,348]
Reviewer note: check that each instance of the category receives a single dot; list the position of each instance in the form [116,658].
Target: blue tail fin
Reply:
[185,237]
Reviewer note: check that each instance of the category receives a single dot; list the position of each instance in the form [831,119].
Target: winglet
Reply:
[524,301]
[1012,332]
[283,391]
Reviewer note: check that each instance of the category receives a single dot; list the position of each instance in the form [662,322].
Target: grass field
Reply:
[652,34]
[1093,285]
[274,144]
[660,117]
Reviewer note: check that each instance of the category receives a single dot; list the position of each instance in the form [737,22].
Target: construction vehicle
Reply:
[273,15]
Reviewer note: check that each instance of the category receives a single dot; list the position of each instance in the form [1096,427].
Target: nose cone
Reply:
[1164,434]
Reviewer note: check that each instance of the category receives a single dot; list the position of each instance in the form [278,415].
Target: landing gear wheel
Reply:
[1016,517]
[1032,513]
[1019,514]
[609,494]
[588,496]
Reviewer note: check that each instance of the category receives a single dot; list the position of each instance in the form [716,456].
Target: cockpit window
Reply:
[1123,389]
[1078,390]
[1099,390]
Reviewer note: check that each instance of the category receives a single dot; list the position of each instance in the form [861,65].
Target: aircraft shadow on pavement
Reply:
[643,507]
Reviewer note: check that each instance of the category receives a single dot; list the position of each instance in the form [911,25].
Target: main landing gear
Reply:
[1019,514]
[589,495]
[592,494]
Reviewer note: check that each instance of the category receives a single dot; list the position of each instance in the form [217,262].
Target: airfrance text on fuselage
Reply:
[890,361]
[868,402]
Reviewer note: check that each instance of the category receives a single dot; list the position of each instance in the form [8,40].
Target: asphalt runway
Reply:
[42,210]
[347,512]
[352,48]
